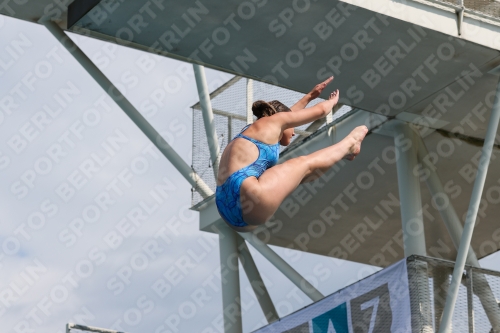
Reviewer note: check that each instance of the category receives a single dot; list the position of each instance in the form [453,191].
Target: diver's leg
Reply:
[260,198]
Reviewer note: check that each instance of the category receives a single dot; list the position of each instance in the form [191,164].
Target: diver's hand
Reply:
[316,91]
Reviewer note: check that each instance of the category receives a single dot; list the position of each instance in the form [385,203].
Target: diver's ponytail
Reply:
[262,109]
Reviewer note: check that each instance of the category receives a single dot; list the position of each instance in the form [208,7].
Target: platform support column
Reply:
[127,107]
[411,215]
[409,191]
[256,282]
[230,279]
[470,220]
[229,128]
[208,117]
[440,285]
[470,299]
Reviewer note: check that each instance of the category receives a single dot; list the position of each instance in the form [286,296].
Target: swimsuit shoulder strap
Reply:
[239,135]
[244,128]
[257,142]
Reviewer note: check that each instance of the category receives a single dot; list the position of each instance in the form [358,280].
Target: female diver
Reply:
[250,186]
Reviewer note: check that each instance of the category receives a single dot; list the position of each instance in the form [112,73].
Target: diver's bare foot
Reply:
[356,136]
[334,96]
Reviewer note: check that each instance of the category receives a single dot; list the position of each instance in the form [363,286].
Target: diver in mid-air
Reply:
[250,186]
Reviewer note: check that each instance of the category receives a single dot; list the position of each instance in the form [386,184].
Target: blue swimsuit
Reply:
[227,196]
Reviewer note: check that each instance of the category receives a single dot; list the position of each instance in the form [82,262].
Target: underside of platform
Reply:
[381,63]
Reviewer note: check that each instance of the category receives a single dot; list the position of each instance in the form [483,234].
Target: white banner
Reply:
[379,303]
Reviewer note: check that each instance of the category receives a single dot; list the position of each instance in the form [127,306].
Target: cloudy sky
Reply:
[95,222]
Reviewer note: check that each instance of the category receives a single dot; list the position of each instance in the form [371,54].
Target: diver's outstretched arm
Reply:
[285,120]
[314,93]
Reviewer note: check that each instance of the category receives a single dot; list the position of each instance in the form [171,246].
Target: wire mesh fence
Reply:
[229,105]
[486,7]
[482,8]
[477,307]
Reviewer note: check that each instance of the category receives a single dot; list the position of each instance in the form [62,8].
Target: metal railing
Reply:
[484,9]
[469,315]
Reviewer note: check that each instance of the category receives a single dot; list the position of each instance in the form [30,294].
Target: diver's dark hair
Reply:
[266,109]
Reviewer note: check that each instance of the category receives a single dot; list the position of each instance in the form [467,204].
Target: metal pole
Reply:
[283,266]
[70,326]
[455,229]
[208,116]
[448,213]
[329,116]
[470,299]
[230,279]
[409,191]
[411,215]
[470,221]
[256,282]
[249,101]
[460,19]
[440,284]
[128,108]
